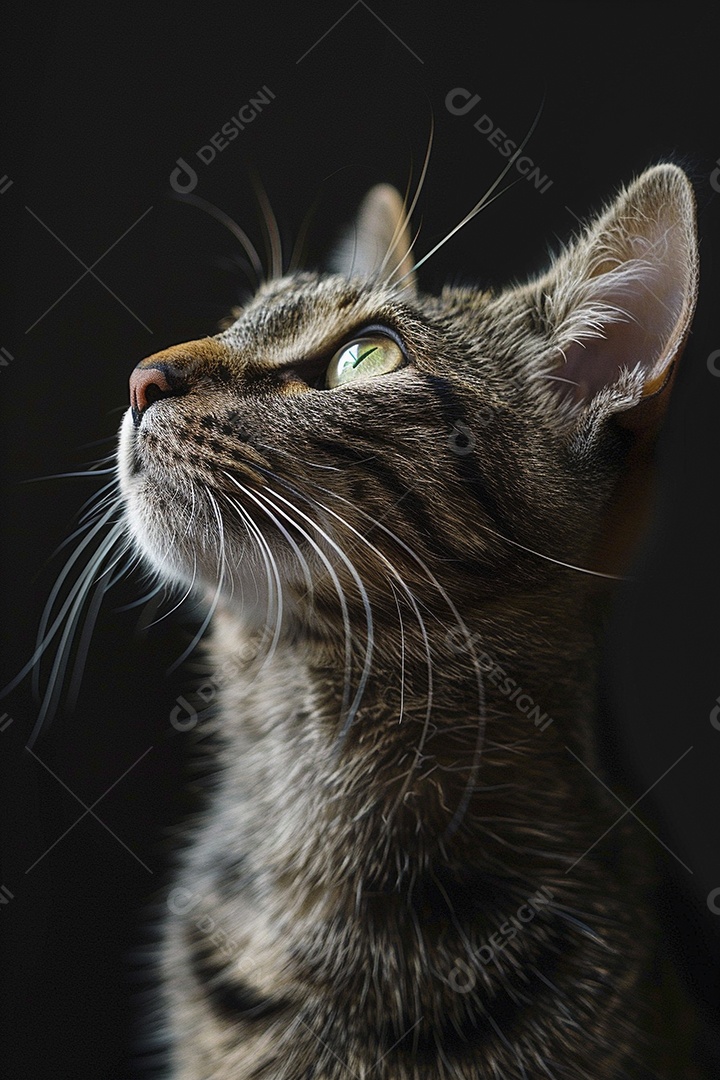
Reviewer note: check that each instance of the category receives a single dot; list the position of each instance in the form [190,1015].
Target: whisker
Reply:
[274,584]
[481,205]
[143,600]
[423,630]
[239,234]
[313,464]
[220,538]
[83,646]
[191,586]
[271,229]
[88,523]
[408,211]
[100,442]
[484,201]
[298,250]
[402,653]
[212,607]
[97,500]
[549,558]
[487,528]
[45,636]
[69,475]
[71,612]
[197,638]
[482,716]
[350,710]
[221,548]
[344,706]
[279,525]
[174,608]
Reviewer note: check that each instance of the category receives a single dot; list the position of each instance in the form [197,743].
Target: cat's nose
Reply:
[150,384]
[174,371]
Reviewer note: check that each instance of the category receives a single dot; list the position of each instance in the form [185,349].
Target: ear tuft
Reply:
[620,301]
[378,244]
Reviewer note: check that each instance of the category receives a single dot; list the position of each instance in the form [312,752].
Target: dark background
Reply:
[100,108]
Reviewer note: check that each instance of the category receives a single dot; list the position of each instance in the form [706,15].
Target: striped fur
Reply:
[396,872]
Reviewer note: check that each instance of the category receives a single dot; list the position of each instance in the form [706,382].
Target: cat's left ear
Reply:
[378,244]
[619,303]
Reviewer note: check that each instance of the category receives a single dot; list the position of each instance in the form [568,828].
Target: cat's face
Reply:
[344,424]
[331,410]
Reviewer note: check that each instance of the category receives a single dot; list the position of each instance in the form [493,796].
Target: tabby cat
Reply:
[403,511]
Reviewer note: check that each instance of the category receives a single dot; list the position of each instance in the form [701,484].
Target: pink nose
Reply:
[146,386]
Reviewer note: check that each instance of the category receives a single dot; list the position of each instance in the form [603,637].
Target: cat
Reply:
[403,511]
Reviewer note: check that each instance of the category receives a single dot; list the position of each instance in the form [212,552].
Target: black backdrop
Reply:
[101,107]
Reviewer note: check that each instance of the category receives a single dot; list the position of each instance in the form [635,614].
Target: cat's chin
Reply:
[242,591]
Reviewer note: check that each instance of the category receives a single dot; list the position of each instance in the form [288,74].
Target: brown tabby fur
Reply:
[332,913]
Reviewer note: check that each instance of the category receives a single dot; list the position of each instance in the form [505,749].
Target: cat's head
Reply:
[346,426]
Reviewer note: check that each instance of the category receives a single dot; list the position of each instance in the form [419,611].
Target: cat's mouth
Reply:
[177,451]
[188,490]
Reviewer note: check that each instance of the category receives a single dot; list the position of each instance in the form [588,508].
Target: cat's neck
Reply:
[409,772]
[389,834]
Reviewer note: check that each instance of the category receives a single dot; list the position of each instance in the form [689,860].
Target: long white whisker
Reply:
[296,254]
[408,211]
[484,201]
[421,623]
[197,638]
[479,206]
[198,635]
[94,506]
[87,524]
[402,652]
[141,600]
[549,558]
[482,713]
[73,608]
[69,475]
[423,631]
[287,454]
[180,602]
[191,586]
[274,582]
[279,525]
[91,615]
[45,636]
[487,528]
[353,706]
[341,598]
[221,547]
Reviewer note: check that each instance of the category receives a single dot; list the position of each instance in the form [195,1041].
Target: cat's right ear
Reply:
[378,245]
[619,303]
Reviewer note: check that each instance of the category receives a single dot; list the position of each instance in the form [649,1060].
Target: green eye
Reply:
[374,354]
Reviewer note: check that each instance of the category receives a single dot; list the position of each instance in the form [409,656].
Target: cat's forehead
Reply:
[306,314]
